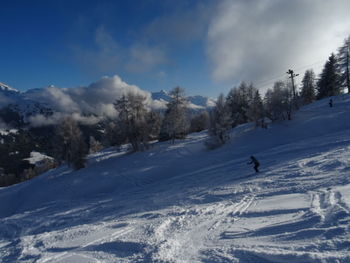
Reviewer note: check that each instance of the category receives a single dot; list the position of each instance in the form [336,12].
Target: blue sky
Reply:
[206,47]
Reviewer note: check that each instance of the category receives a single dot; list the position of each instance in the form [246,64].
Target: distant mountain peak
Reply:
[4,87]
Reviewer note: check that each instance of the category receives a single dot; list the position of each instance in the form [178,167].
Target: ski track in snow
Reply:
[181,203]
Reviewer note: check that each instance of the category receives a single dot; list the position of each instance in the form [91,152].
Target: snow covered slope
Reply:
[182,203]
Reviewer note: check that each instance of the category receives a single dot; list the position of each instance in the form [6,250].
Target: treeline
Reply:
[137,125]
[70,141]
[245,104]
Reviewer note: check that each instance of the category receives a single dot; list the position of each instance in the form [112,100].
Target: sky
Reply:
[207,47]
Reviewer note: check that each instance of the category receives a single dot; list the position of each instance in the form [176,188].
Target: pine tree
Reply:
[71,145]
[308,87]
[328,84]
[175,123]
[343,59]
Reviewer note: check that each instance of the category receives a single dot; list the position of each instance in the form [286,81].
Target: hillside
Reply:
[183,203]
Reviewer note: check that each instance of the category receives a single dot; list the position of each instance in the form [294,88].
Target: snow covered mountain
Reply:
[182,203]
[20,103]
[195,102]
[6,88]
[95,100]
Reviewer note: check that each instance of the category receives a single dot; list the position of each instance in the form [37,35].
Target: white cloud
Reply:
[143,58]
[42,120]
[255,40]
[83,103]
[104,56]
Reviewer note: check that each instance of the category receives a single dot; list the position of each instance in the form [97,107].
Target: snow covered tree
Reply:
[328,84]
[343,59]
[71,146]
[308,87]
[132,120]
[175,123]
[220,123]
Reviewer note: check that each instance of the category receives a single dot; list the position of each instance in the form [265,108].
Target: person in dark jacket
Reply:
[330,103]
[255,162]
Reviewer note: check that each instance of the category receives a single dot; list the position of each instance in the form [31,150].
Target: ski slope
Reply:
[183,203]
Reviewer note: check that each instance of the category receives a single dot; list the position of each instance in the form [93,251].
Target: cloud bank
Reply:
[85,104]
[255,40]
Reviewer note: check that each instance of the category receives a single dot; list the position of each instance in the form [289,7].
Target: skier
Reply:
[330,103]
[256,163]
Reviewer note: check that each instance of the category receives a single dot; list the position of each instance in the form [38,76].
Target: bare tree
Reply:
[132,120]
[220,124]
[71,146]
[255,110]
[279,102]
[175,123]
[200,122]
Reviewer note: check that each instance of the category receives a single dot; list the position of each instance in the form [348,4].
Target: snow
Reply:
[5,132]
[38,158]
[183,203]
[5,87]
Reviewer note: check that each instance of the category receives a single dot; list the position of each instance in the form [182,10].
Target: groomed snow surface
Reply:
[183,203]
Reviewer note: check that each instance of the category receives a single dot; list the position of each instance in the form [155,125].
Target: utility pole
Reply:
[347,69]
[292,75]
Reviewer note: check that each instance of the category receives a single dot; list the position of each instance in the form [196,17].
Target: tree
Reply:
[308,87]
[343,59]
[220,123]
[175,123]
[71,146]
[94,145]
[238,101]
[328,84]
[154,122]
[255,110]
[132,120]
[200,122]
[279,102]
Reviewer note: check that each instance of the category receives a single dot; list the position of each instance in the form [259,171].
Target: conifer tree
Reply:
[308,87]
[328,84]
[343,65]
